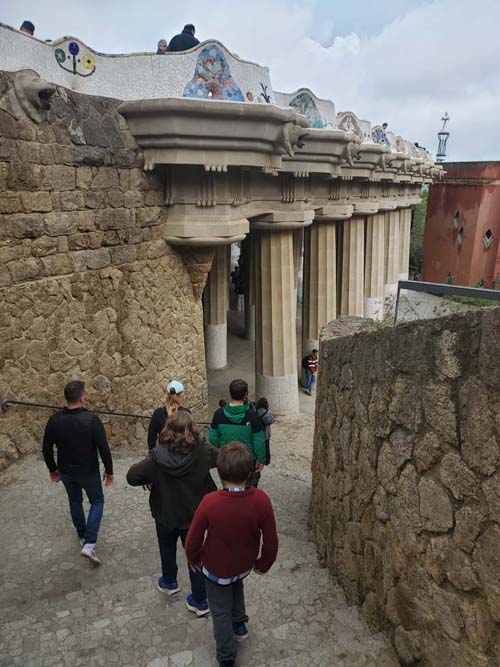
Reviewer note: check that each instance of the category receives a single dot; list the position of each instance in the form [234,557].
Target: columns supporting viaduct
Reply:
[257,174]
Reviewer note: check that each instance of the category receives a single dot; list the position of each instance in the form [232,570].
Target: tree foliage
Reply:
[417,235]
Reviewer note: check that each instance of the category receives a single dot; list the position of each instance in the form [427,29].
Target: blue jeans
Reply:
[167,542]
[310,380]
[91,483]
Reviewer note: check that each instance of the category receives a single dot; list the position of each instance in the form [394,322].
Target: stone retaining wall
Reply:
[88,287]
[405,508]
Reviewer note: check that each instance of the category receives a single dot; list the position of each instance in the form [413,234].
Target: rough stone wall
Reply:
[405,508]
[88,287]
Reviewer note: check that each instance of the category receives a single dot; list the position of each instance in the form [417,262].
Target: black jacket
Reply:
[78,435]
[183,42]
[156,425]
[179,482]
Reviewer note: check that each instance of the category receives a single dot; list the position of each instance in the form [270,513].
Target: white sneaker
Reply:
[88,551]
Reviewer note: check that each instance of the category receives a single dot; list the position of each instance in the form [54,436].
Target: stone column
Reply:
[298,247]
[276,345]
[215,299]
[392,260]
[248,252]
[353,274]
[404,242]
[375,266]
[319,300]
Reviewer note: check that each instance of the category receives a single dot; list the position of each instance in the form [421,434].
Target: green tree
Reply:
[417,234]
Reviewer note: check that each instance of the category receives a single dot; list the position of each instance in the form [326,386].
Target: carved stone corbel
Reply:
[292,136]
[33,94]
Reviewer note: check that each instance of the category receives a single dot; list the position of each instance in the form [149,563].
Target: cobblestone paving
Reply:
[57,610]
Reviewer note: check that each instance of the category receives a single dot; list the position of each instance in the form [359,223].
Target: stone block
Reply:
[124,254]
[105,179]
[26,226]
[154,198]
[468,525]
[491,490]
[458,478]
[25,269]
[44,246]
[24,176]
[405,407]
[58,177]
[84,178]
[486,560]
[428,450]
[56,265]
[85,241]
[10,203]
[36,202]
[436,509]
[478,622]
[97,259]
[60,224]
[72,201]
[116,199]
[95,199]
[148,216]
[113,218]
[480,448]
[133,199]
[439,411]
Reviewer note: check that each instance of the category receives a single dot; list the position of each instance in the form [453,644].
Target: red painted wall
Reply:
[471,189]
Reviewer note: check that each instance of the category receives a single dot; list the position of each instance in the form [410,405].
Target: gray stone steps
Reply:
[59,610]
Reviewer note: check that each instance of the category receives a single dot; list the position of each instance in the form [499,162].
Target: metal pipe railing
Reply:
[8,403]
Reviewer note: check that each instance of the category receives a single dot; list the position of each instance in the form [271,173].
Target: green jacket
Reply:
[238,423]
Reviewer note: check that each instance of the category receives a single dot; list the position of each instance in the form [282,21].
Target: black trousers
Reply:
[227,606]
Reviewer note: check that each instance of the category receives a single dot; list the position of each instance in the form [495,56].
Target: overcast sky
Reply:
[400,61]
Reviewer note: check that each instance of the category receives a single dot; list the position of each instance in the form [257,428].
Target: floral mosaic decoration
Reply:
[350,124]
[71,60]
[304,104]
[380,137]
[212,78]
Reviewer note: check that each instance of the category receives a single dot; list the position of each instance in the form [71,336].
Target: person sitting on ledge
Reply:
[185,41]
[27,27]
[162,47]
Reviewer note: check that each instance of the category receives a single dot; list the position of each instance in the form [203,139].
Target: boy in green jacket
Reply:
[237,421]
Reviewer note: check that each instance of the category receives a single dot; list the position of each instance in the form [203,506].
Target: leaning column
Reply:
[404,242]
[276,343]
[353,273]
[319,300]
[392,249]
[375,266]
[215,299]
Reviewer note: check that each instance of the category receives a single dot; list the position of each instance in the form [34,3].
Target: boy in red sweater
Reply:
[224,541]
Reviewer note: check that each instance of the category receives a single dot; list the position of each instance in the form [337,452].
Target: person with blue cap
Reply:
[175,396]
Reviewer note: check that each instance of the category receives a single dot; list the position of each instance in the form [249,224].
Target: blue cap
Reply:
[176,386]
[29,26]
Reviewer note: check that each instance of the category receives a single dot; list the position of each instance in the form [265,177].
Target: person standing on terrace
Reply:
[162,47]
[28,28]
[185,41]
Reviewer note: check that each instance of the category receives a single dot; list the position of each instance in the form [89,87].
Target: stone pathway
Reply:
[57,610]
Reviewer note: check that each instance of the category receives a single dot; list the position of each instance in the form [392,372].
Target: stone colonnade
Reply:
[351,264]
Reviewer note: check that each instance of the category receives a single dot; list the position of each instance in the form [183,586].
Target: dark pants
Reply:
[91,483]
[253,480]
[268,452]
[167,542]
[227,606]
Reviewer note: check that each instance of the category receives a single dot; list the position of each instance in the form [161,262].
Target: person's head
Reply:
[162,46]
[189,27]
[222,402]
[180,432]
[175,396]
[235,464]
[262,403]
[27,27]
[384,126]
[238,390]
[315,352]
[74,392]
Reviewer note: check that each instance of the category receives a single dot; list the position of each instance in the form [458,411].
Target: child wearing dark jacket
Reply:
[178,472]
[224,542]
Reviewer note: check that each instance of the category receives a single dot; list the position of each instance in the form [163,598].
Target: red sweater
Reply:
[234,522]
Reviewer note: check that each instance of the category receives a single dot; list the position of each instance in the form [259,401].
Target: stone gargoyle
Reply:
[292,136]
[33,93]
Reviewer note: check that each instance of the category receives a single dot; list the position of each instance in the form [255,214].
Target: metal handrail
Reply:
[5,405]
[439,288]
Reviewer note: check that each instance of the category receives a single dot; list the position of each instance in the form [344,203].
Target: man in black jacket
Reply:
[185,41]
[78,435]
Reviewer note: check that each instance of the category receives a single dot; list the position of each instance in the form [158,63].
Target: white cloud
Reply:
[400,61]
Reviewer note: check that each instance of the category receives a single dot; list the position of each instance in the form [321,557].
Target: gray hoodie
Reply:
[267,418]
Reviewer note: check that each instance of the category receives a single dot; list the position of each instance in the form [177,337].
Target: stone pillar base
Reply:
[216,345]
[281,391]
[374,308]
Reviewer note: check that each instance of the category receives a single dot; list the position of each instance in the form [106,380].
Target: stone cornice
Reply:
[214,134]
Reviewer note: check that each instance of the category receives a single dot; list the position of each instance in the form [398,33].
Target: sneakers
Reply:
[240,632]
[198,608]
[169,588]
[88,551]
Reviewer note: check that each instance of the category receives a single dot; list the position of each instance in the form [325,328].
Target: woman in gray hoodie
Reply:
[178,472]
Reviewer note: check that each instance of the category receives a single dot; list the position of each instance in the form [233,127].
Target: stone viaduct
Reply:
[124,181]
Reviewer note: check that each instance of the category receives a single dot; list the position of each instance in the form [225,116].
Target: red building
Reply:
[462,232]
